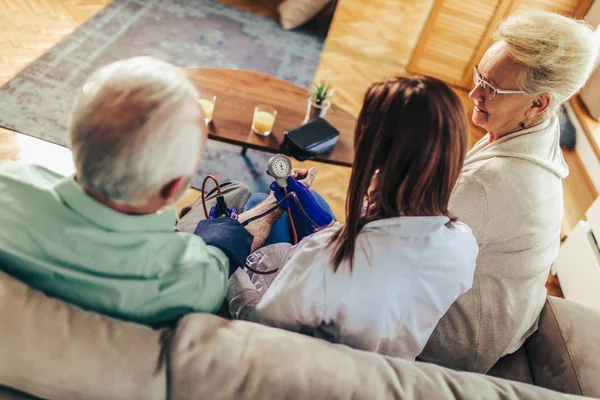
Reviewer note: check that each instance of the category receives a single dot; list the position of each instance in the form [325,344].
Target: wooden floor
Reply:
[362,47]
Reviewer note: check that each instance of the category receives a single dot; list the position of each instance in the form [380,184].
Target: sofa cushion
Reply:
[564,353]
[54,350]
[10,394]
[293,13]
[219,359]
[514,367]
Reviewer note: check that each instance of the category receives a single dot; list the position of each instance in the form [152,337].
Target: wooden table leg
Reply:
[244,150]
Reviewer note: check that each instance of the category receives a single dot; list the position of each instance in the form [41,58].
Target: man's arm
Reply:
[261,228]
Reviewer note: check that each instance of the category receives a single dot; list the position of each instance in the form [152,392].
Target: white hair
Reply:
[132,130]
[559,52]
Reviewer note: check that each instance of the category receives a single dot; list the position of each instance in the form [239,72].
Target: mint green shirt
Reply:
[59,240]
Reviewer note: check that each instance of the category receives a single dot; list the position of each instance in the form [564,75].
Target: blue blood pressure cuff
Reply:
[229,236]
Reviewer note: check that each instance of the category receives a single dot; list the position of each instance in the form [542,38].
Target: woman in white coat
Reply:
[382,280]
[510,190]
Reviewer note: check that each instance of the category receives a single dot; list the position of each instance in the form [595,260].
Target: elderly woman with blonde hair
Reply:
[510,190]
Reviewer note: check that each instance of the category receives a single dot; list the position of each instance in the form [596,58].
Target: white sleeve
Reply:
[242,296]
[296,299]
[444,279]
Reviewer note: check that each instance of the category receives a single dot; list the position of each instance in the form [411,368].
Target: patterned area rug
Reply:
[187,33]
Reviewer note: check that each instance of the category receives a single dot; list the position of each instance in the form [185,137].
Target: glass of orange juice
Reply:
[207,102]
[264,119]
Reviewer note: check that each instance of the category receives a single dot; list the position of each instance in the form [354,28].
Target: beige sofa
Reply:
[54,350]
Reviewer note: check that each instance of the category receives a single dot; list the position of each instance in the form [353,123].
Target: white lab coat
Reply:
[407,272]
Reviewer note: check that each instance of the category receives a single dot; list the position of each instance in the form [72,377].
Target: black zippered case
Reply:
[312,139]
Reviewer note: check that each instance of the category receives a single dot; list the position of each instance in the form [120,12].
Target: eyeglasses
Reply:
[488,91]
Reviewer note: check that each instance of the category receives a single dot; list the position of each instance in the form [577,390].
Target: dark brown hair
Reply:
[414,131]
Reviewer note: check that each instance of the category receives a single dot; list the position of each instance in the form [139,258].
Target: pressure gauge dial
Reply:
[280,167]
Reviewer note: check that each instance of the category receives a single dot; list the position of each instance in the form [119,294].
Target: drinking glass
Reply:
[264,119]
[207,102]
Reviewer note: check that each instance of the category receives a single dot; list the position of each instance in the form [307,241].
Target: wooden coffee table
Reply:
[239,91]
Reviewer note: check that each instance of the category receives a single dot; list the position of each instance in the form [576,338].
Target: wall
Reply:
[369,41]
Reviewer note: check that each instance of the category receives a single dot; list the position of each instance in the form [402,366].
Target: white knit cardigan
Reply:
[510,194]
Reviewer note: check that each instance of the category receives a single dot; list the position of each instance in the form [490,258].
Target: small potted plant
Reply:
[318,101]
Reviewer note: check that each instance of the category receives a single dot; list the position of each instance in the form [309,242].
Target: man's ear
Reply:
[541,103]
[171,191]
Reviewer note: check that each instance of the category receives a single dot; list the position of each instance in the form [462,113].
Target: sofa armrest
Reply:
[564,353]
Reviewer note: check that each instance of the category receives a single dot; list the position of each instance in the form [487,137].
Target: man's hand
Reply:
[306,177]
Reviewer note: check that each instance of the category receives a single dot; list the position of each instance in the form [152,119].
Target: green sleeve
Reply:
[197,284]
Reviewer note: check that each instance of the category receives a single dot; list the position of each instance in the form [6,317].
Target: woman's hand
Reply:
[308,202]
[212,214]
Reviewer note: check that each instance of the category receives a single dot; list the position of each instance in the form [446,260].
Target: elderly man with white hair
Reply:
[105,238]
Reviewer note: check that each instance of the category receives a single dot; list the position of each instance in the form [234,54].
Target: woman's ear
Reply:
[540,103]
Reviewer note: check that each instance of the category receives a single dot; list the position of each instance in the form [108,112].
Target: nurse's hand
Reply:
[213,213]
[308,202]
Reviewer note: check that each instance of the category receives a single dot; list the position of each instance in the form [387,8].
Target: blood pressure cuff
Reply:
[229,236]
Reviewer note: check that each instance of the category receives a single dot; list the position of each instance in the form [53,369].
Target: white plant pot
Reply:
[314,111]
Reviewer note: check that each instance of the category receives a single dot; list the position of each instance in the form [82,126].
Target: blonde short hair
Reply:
[132,129]
[559,52]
